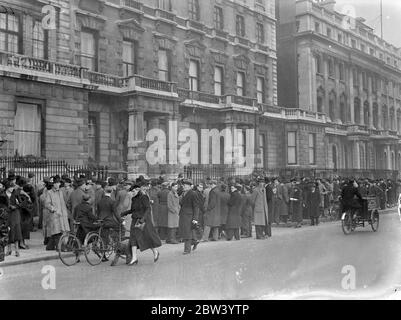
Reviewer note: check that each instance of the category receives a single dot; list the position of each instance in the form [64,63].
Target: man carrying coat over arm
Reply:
[189,215]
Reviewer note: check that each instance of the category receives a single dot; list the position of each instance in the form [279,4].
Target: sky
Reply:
[370,10]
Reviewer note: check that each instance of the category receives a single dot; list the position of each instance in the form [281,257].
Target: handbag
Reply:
[139,225]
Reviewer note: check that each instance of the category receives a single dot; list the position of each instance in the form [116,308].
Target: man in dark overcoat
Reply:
[106,209]
[189,216]
[212,215]
[296,202]
[348,194]
[235,203]
[270,211]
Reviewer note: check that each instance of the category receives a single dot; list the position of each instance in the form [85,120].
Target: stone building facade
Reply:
[334,64]
[140,85]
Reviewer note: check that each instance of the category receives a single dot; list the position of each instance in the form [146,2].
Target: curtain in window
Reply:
[88,50]
[240,84]
[218,81]
[193,75]
[163,65]
[27,129]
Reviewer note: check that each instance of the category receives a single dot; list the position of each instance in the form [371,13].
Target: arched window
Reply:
[343,111]
[318,61]
[399,120]
[366,114]
[384,117]
[332,106]
[375,115]
[357,110]
[330,64]
[392,119]
[320,99]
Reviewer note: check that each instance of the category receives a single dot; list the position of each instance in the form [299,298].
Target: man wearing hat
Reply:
[235,204]
[67,190]
[189,217]
[269,199]
[296,202]
[83,213]
[162,221]
[76,195]
[260,209]
[212,214]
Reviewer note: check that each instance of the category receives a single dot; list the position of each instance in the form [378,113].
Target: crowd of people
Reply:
[173,212]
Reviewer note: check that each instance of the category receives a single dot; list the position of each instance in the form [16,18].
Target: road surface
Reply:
[310,262]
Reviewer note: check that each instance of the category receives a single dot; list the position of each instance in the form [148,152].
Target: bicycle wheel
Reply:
[94,249]
[346,222]
[69,249]
[374,220]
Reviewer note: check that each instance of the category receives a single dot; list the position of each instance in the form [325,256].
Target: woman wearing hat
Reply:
[57,214]
[9,202]
[141,237]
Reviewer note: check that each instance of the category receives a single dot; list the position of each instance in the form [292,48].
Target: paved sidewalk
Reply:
[37,251]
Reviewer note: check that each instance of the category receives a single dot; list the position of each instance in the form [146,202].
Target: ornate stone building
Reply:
[91,87]
[110,71]
[333,64]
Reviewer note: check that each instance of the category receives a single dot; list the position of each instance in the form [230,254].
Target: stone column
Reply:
[370,100]
[379,112]
[312,84]
[136,145]
[361,109]
[351,94]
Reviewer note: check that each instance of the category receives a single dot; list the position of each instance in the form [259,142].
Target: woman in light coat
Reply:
[57,214]
[173,210]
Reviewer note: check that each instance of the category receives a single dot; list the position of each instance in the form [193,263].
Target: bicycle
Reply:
[97,251]
[69,247]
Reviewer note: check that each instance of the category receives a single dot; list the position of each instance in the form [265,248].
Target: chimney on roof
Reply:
[327,4]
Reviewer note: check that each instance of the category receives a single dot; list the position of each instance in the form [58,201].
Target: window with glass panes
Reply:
[28,129]
[240,83]
[218,18]
[218,81]
[328,32]
[260,89]
[260,33]
[311,147]
[331,67]
[88,50]
[292,147]
[240,26]
[129,58]
[194,10]
[10,33]
[164,65]
[194,75]
[39,41]
[341,71]
[164,5]
[355,77]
